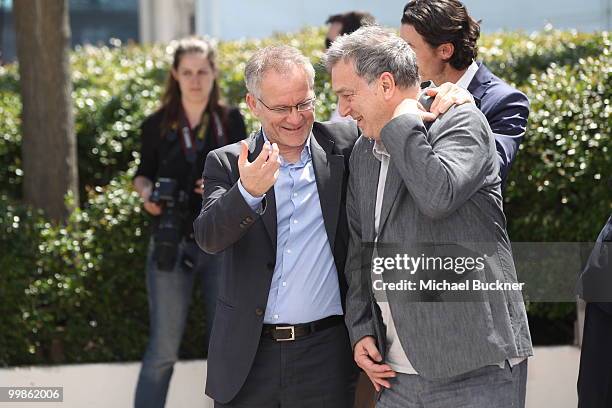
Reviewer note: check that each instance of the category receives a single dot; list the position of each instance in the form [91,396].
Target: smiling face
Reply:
[195,77]
[289,130]
[362,101]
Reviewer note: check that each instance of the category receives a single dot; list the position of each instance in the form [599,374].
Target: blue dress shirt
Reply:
[305,281]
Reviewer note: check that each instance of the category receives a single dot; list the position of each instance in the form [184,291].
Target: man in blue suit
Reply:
[443,35]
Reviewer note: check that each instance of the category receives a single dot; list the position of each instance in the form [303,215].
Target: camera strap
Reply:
[193,142]
[220,135]
[189,140]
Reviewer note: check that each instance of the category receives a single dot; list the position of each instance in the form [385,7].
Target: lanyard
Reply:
[192,142]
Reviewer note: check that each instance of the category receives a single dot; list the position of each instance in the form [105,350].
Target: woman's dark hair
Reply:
[171,98]
[445,21]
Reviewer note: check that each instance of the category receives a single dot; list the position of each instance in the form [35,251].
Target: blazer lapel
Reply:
[269,215]
[329,174]
[479,83]
[367,177]
[393,184]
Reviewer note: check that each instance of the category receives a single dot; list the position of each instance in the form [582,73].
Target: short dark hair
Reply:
[445,21]
[352,20]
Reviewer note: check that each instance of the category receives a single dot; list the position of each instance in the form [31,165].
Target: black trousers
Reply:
[313,371]
[595,378]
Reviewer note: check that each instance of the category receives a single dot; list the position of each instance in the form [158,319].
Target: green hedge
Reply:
[560,186]
[76,293]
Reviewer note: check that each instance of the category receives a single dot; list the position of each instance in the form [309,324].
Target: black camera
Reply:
[170,229]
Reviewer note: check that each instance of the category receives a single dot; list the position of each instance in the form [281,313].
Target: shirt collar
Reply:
[305,155]
[380,150]
[468,75]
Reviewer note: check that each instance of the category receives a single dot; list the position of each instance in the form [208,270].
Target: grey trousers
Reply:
[486,387]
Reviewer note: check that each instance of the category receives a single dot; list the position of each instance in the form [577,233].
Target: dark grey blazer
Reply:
[248,242]
[442,186]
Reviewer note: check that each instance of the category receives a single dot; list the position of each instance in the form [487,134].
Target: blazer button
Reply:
[259,312]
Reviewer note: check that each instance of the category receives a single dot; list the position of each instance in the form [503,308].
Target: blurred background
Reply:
[144,21]
[73,287]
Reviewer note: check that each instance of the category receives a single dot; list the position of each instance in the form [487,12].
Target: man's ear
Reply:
[387,84]
[252,103]
[445,51]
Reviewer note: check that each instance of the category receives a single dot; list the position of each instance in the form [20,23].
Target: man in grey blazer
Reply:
[437,189]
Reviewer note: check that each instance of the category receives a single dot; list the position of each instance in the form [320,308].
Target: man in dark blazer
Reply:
[443,35]
[425,193]
[274,205]
[595,377]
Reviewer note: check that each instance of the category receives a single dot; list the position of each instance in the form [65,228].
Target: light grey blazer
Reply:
[442,186]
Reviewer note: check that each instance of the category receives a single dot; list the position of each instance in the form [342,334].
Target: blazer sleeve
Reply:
[358,315]
[442,172]
[149,139]
[508,121]
[225,216]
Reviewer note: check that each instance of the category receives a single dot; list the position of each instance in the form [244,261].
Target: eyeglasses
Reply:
[286,110]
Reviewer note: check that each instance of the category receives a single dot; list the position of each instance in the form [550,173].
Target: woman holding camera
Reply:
[190,123]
